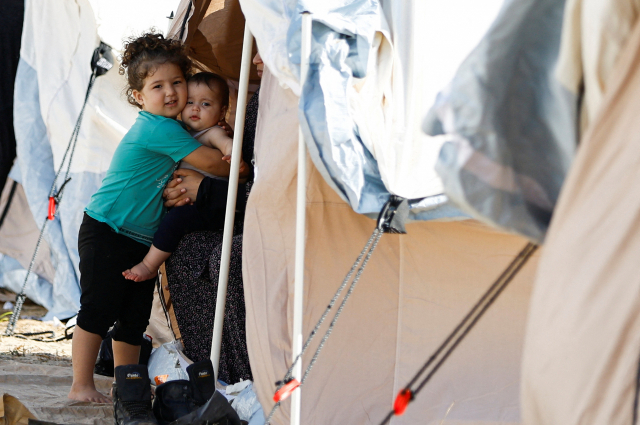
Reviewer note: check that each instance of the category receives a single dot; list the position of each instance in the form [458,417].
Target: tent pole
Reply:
[227,237]
[301,199]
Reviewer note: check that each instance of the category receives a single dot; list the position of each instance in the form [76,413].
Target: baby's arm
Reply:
[217,138]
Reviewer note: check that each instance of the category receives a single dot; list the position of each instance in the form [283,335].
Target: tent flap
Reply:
[510,125]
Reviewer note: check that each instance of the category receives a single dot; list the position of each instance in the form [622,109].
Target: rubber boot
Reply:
[132,396]
[202,380]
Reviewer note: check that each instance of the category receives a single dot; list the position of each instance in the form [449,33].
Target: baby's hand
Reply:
[243,165]
[226,127]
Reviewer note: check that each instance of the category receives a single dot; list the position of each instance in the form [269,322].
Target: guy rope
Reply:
[101,62]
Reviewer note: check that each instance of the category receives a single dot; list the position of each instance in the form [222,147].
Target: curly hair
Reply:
[215,83]
[143,54]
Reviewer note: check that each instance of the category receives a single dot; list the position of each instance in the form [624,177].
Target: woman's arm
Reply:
[189,185]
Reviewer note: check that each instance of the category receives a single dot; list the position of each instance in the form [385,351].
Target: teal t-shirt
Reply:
[130,198]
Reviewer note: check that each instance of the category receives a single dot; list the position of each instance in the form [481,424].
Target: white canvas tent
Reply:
[57,45]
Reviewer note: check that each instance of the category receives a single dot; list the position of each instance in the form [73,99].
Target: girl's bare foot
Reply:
[88,394]
[139,273]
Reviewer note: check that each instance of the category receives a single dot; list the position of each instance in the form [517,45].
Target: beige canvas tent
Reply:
[582,347]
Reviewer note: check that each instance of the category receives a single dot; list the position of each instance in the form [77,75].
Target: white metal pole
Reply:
[227,237]
[301,199]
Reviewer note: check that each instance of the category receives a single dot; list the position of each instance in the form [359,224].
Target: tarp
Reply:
[510,125]
[583,336]
[58,41]
[416,288]
[363,99]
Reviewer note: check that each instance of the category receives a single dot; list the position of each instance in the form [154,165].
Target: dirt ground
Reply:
[25,349]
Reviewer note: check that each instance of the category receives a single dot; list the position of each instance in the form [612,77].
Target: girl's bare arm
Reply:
[217,138]
[209,160]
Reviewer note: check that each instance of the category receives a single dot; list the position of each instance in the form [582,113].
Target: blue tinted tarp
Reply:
[510,125]
[349,40]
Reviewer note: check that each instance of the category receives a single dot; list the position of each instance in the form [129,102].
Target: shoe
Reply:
[172,401]
[216,411]
[202,380]
[193,402]
[132,396]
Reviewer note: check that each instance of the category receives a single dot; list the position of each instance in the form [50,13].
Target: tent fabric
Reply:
[583,334]
[11,16]
[593,34]
[50,88]
[58,41]
[363,98]
[509,124]
[18,238]
[214,34]
[416,288]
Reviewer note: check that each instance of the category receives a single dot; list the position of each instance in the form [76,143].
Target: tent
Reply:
[58,41]
[416,287]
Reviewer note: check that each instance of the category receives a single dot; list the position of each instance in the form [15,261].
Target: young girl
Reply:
[123,215]
[207,103]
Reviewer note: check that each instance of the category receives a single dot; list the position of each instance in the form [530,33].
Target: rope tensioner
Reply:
[101,62]
[286,390]
[391,220]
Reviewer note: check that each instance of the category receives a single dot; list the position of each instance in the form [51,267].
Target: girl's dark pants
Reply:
[108,299]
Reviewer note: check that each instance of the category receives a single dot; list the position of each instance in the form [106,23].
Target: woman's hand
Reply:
[226,127]
[183,189]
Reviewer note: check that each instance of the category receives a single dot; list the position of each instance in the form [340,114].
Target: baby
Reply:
[207,104]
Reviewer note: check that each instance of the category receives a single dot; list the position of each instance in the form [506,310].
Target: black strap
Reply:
[163,302]
[184,21]
[8,204]
[637,395]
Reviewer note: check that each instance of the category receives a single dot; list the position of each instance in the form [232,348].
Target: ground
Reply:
[24,350]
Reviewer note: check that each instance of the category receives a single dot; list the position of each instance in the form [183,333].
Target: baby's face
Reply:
[204,108]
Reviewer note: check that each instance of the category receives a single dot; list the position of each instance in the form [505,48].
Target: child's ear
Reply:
[138,97]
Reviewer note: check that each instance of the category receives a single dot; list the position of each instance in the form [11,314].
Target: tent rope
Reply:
[386,224]
[407,395]
[101,62]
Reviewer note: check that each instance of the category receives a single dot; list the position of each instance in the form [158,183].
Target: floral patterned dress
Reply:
[192,274]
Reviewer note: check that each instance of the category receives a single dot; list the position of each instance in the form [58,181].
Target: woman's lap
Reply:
[192,273]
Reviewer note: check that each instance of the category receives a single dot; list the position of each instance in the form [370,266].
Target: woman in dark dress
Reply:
[193,269]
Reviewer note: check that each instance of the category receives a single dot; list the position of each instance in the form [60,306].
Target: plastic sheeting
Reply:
[363,100]
[58,41]
[510,126]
